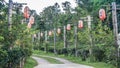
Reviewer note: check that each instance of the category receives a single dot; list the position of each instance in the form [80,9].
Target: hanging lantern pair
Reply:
[80,24]
[26,12]
[68,27]
[102,14]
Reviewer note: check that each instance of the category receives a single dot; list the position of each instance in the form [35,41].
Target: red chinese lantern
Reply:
[80,24]
[58,30]
[68,27]
[41,34]
[29,25]
[102,14]
[50,33]
[31,20]
[26,12]
[34,35]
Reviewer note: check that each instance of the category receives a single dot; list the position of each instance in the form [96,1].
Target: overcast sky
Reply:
[39,5]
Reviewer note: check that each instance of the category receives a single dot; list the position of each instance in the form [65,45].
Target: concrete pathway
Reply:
[59,59]
[42,63]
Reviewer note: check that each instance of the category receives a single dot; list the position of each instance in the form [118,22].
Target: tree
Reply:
[15,44]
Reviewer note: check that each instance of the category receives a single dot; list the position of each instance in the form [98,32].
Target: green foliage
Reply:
[15,44]
[3,57]
[101,32]
[1,38]
[15,56]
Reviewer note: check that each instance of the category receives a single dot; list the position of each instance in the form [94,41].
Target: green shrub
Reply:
[15,56]
[3,57]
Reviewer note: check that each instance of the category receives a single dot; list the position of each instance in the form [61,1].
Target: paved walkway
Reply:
[42,63]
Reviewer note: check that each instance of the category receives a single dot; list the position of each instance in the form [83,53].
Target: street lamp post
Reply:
[46,40]
[75,36]
[90,37]
[89,19]
[115,29]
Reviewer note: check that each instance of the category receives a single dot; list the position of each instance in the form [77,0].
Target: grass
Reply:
[94,64]
[51,60]
[77,60]
[30,63]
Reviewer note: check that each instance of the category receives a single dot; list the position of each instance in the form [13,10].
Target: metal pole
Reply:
[90,37]
[10,14]
[55,31]
[115,28]
[55,41]
[75,27]
[46,40]
[10,5]
[65,46]
[39,40]
[32,42]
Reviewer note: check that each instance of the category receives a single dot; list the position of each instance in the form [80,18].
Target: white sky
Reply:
[39,5]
